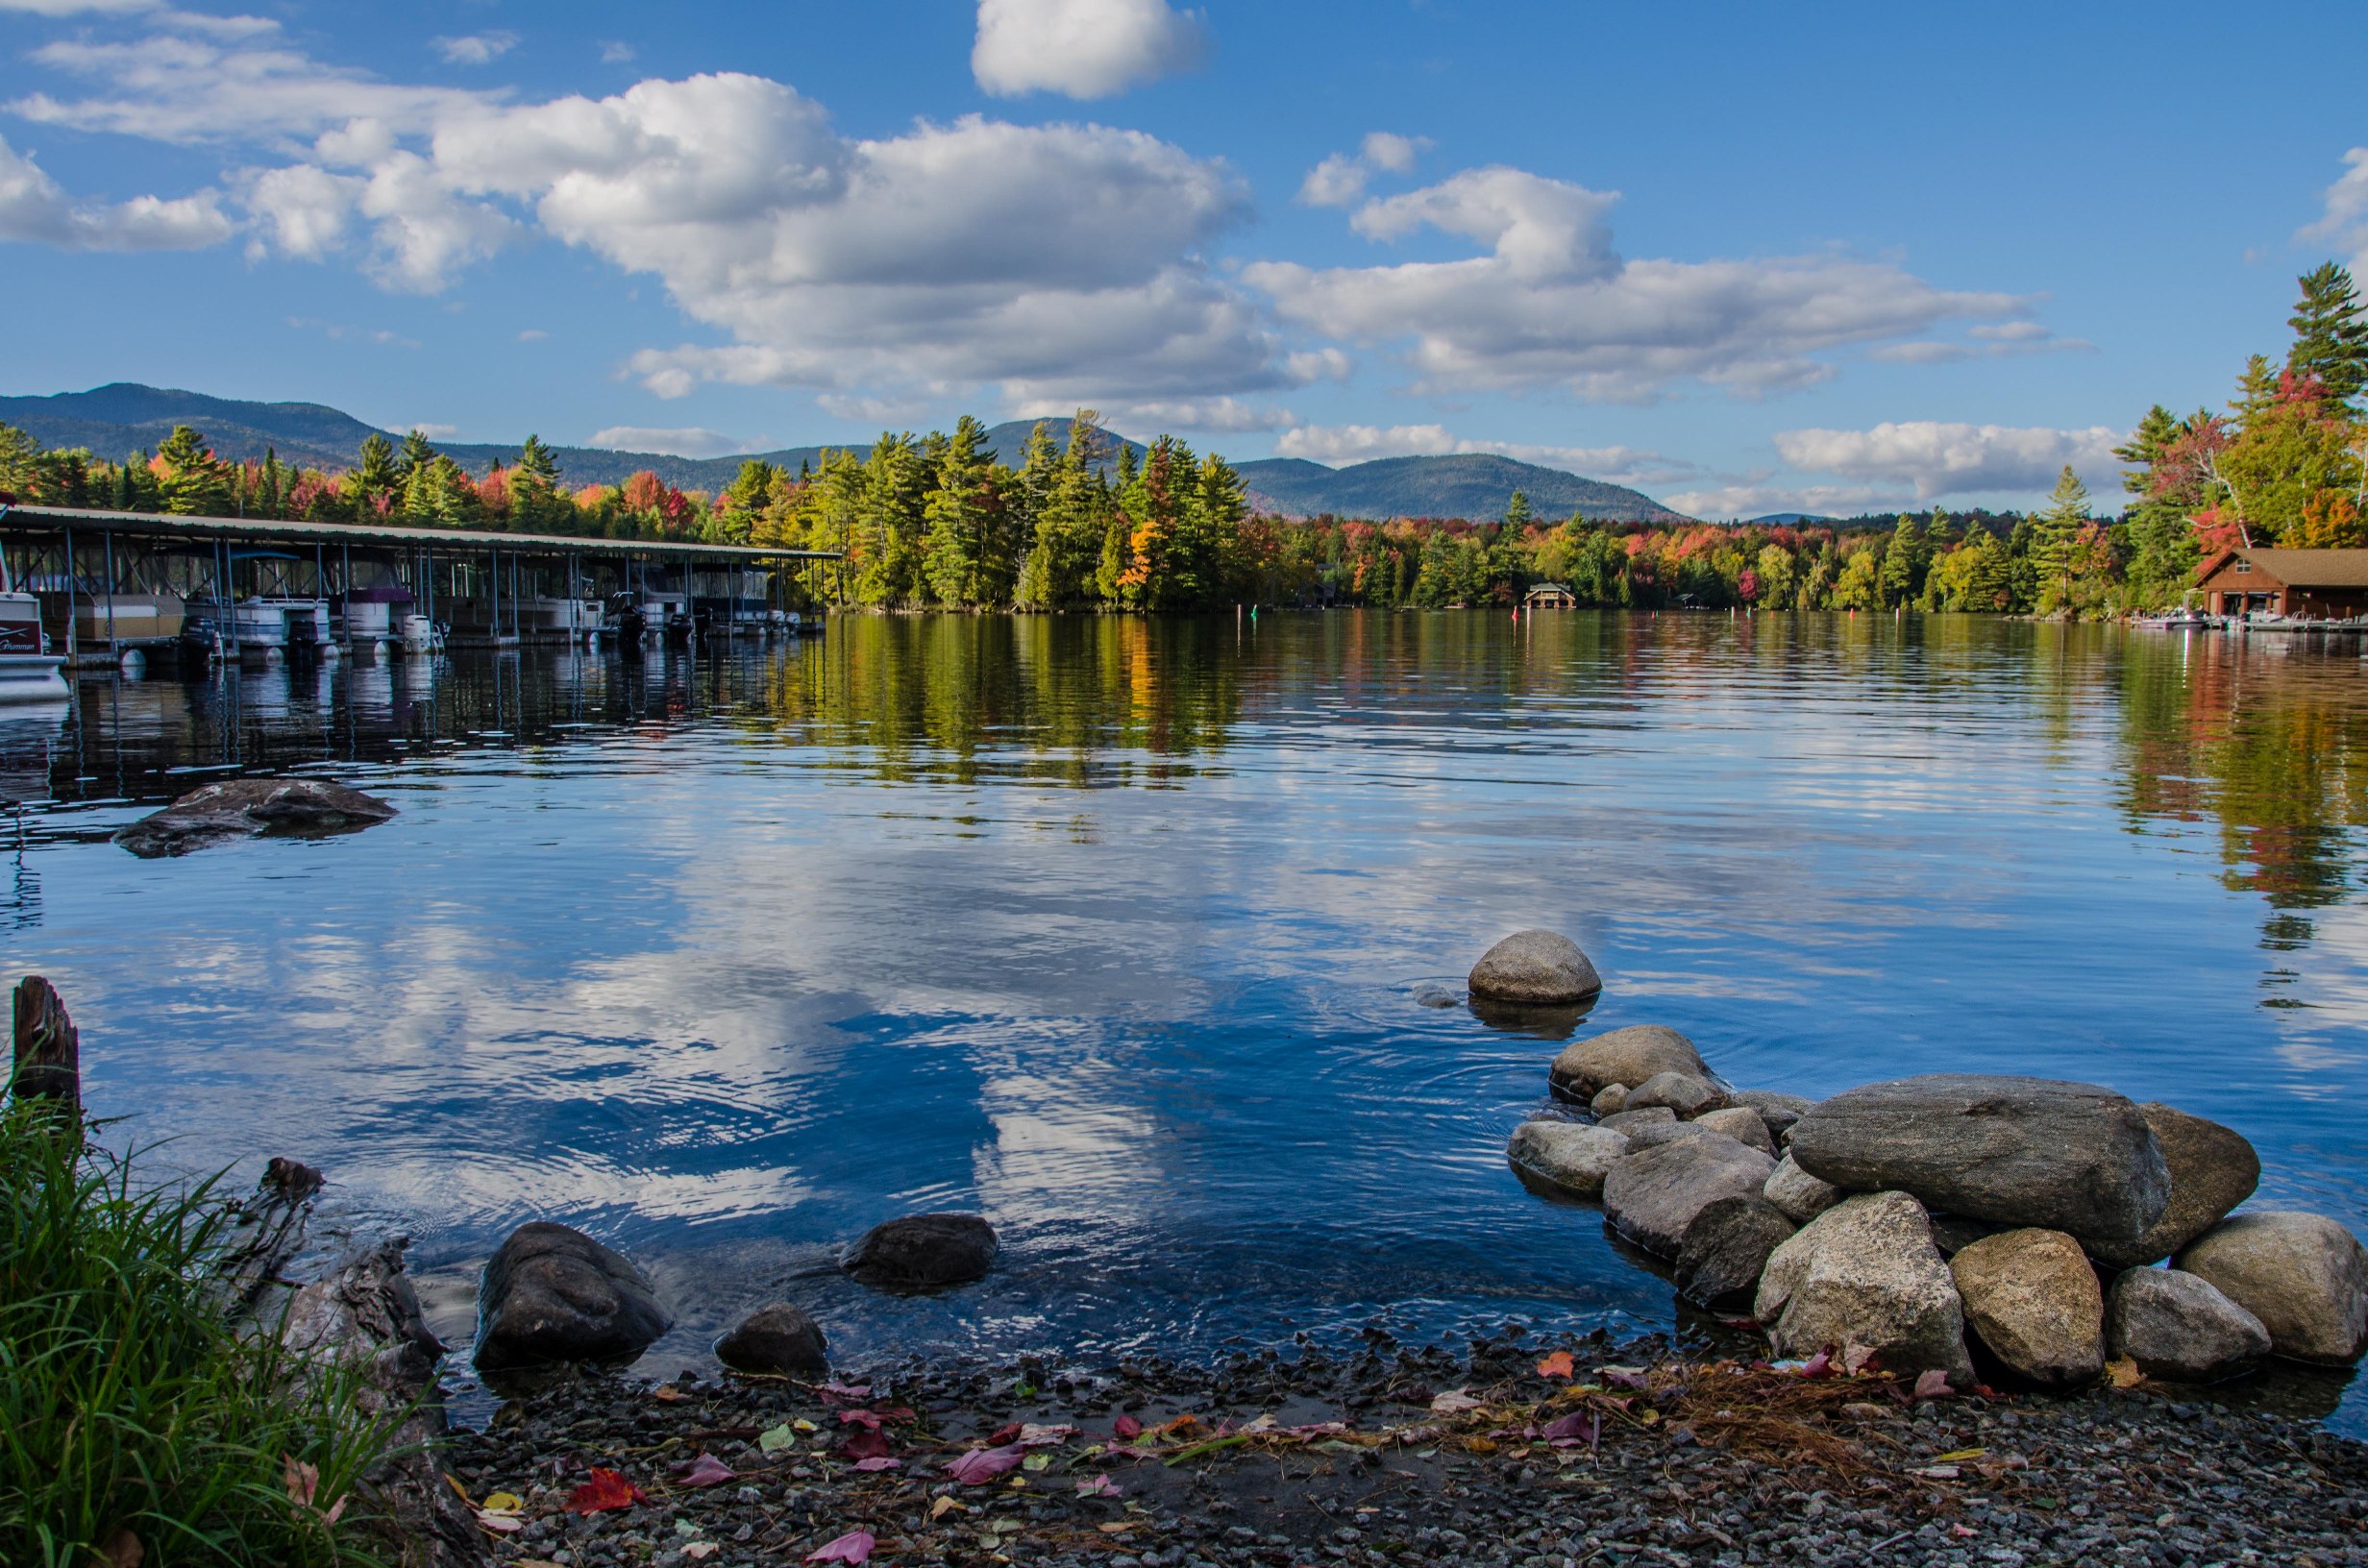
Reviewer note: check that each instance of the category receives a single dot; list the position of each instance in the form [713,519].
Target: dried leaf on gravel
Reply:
[605,1491]
[855,1545]
[774,1439]
[1932,1383]
[707,1470]
[1557,1365]
[981,1465]
[1454,1402]
[2123,1373]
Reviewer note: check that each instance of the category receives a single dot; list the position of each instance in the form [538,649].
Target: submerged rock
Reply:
[778,1340]
[1726,1247]
[2032,1298]
[1623,1056]
[1799,1195]
[922,1252]
[2013,1151]
[2213,1169]
[1651,1195]
[1568,1156]
[2302,1274]
[240,808]
[1535,967]
[552,1295]
[1865,1274]
[2178,1326]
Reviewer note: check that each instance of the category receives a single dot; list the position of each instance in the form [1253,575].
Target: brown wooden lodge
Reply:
[2299,584]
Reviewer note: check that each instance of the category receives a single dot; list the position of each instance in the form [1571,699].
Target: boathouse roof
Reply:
[156,525]
[2298,568]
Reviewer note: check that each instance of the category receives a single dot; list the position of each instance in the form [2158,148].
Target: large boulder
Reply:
[1689,1094]
[2032,1298]
[1726,1247]
[238,808]
[2213,1169]
[2178,1326]
[1623,1056]
[552,1295]
[2013,1151]
[2302,1274]
[1865,1274]
[1799,1195]
[1535,967]
[1568,1156]
[1739,1122]
[1651,1195]
[922,1252]
[1628,1121]
[778,1341]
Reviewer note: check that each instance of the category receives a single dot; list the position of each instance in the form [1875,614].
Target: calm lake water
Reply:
[1117,931]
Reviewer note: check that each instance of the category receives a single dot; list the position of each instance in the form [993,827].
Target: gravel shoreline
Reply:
[1640,1455]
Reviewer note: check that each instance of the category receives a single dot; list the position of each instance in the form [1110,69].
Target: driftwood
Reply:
[363,1313]
[48,1059]
[269,1231]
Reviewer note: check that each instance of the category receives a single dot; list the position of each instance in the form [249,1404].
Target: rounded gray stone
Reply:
[1535,966]
[2179,1326]
[1622,1056]
[1568,1156]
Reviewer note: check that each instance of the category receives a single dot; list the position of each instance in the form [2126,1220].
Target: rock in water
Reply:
[1779,1111]
[2176,1327]
[238,808]
[2302,1274]
[2213,1169]
[1610,1100]
[1687,1094]
[1865,1273]
[1726,1247]
[1651,1195]
[1628,1121]
[1741,1123]
[2032,1298]
[2014,1151]
[1624,1056]
[922,1252]
[552,1295]
[778,1340]
[1568,1156]
[1535,967]
[1799,1195]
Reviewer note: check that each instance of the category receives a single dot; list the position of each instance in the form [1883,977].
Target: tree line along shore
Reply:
[1082,523]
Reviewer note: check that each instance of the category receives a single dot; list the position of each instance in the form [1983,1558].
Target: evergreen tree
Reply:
[2330,334]
[1902,574]
[2256,390]
[1517,512]
[375,474]
[195,483]
[417,454]
[957,530]
[2056,535]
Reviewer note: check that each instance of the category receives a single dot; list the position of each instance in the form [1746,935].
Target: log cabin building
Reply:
[2303,584]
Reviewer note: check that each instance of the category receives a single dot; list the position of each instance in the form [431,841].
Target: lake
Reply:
[1118,932]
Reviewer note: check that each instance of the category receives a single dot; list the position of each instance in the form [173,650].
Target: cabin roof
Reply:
[159,525]
[2302,567]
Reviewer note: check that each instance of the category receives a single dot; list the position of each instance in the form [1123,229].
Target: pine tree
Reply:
[956,524]
[1901,573]
[375,474]
[2056,538]
[1517,512]
[195,483]
[2256,390]
[2330,334]
[417,454]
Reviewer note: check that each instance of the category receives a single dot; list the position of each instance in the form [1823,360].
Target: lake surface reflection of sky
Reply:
[1114,930]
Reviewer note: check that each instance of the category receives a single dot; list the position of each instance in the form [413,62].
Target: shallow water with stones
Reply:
[1121,932]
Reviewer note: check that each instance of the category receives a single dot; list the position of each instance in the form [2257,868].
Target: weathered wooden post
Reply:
[48,1061]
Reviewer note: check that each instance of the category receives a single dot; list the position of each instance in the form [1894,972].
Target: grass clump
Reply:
[137,1423]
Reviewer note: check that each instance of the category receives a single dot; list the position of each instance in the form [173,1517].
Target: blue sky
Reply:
[1746,258]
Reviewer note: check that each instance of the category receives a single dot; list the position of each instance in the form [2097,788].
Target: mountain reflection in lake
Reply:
[1112,929]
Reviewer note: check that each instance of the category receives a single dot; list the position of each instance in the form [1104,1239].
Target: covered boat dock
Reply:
[114,581]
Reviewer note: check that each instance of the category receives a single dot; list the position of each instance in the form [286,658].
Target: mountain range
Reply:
[126,417]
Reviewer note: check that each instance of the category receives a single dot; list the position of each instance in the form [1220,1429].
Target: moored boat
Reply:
[29,672]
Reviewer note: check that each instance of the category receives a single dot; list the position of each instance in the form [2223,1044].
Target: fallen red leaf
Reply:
[1008,1433]
[1128,1428]
[1932,1385]
[981,1465]
[604,1491]
[1820,1365]
[860,1418]
[858,1391]
[865,1443]
[855,1545]
[1557,1365]
[707,1470]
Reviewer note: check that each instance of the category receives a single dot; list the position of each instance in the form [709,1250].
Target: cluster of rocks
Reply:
[1913,1223]
[239,808]
[553,1296]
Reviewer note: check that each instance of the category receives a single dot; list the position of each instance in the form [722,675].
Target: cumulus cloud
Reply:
[476,48]
[1760,499]
[1930,459]
[35,210]
[1082,48]
[687,442]
[1363,442]
[1553,304]
[2344,224]
[1338,180]
[1224,416]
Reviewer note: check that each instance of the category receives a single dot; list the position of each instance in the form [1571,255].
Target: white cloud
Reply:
[1552,305]
[1082,48]
[2345,222]
[1363,442]
[1748,501]
[476,48]
[427,428]
[532,334]
[1338,180]
[35,210]
[154,12]
[616,54]
[1928,460]
[339,333]
[1230,416]
[690,442]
